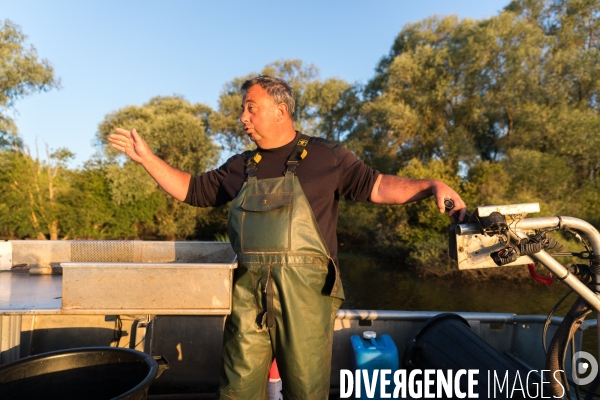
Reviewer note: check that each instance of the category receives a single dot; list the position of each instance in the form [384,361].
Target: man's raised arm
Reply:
[390,189]
[172,180]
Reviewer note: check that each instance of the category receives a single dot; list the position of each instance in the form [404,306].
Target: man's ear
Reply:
[282,112]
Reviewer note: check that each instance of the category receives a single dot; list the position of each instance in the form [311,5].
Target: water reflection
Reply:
[372,284]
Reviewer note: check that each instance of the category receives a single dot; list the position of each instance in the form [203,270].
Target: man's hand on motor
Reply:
[443,192]
[130,143]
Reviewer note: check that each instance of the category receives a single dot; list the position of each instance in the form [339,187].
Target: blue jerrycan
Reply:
[371,353]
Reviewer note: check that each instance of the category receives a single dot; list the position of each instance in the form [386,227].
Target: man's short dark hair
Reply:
[279,90]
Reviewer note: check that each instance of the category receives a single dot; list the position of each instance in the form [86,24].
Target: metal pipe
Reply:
[570,280]
[468,229]
[569,222]
[394,315]
[557,268]
[589,231]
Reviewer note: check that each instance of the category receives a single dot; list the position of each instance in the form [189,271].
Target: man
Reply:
[284,203]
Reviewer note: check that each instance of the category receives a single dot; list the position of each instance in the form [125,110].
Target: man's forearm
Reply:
[390,189]
[173,181]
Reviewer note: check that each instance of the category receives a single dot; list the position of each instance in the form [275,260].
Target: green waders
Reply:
[286,291]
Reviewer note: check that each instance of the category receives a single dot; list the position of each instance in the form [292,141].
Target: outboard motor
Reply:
[500,236]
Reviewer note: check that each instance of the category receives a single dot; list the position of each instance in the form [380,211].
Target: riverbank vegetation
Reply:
[505,110]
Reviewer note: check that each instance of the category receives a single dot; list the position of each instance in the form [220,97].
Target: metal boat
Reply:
[171,299]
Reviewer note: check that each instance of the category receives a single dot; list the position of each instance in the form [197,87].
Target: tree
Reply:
[29,186]
[508,103]
[31,191]
[334,108]
[409,101]
[21,73]
[566,120]
[176,131]
[452,89]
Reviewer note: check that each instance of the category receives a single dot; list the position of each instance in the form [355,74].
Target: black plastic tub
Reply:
[447,343]
[91,373]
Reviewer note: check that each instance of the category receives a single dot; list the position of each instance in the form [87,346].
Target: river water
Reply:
[374,284]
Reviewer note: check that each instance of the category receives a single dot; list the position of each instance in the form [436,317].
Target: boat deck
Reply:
[21,293]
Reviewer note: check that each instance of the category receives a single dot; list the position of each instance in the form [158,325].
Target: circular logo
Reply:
[582,364]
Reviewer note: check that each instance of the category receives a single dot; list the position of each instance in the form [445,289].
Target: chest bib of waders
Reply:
[286,290]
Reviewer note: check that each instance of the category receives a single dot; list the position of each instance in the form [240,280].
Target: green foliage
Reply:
[504,109]
[358,224]
[21,73]
[510,102]
[222,237]
[177,132]
[418,231]
[225,122]
[15,220]
[28,186]
[174,129]
[473,90]
[89,211]
[31,189]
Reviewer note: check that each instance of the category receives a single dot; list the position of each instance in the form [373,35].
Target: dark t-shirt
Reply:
[328,172]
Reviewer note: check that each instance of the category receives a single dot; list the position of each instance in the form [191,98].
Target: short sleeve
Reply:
[219,186]
[356,179]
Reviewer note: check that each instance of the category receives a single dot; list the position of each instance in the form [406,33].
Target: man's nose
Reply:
[243,117]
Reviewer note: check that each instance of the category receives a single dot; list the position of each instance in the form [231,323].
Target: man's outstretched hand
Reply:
[173,181]
[130,143]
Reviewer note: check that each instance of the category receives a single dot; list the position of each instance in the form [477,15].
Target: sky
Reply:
[111,54]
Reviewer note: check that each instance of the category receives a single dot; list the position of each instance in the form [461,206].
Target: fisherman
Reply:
[282,224]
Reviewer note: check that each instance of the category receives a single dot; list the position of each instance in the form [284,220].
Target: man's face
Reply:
[260,116]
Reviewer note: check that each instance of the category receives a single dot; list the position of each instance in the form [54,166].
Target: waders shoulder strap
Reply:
[251,163]
[298,154]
